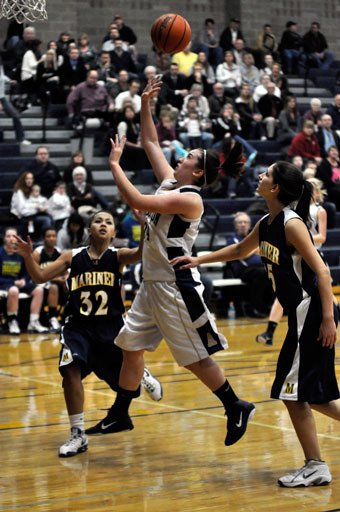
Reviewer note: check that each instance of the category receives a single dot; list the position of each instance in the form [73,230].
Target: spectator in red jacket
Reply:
[305,143]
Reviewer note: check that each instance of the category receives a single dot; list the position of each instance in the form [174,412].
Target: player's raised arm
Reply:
[149,136]
[41,275]
[128,256]
[231,252]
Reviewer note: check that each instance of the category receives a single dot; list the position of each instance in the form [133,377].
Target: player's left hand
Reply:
[23,248]
[327,333]
[117,147]
[139,215]
[152,87]
[185,262]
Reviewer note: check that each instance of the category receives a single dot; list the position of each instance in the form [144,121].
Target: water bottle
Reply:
[231,311]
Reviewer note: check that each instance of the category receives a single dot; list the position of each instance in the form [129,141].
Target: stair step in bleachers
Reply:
[312,92]
[9,150]
[55,135]
[298,82]
[54,147]
[314,72]
[28,122]
[228,206]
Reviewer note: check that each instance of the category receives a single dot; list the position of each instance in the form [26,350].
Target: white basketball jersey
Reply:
[168,236]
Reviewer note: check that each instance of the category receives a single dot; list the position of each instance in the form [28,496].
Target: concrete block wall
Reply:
[94,16]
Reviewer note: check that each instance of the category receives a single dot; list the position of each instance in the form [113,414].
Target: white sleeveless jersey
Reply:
[168,236]
[313,222]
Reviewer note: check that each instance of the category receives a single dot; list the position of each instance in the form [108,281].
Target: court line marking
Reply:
[175,408]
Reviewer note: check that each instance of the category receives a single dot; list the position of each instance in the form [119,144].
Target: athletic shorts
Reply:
[175,312]
[305,370]
[28,288]
[91,344]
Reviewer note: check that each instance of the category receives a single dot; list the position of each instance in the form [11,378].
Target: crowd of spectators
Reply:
[219,87]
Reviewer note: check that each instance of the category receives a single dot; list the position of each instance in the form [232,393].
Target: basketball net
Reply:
[23,10]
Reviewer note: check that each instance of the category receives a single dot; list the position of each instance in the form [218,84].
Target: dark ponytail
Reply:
[293,188]
[230,162]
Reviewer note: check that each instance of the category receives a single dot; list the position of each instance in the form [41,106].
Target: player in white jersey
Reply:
[169,303]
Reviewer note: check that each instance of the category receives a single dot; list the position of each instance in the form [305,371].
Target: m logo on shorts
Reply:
[66,357]
[289,389]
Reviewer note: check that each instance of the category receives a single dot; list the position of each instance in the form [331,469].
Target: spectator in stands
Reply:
[59,205]
[217,100]
[329,173]
[14,62]
[77,158]
[251,271]
[35,213]
[305,143]
[64,42]
[167,137]
[8,108]
[46,173]
[196,92]
[198,77]
[290,122]
[87,51]
[52,45]
[314,113]
[80,191]
[131,96]
[107,75]
[207,69]
[315,48]
[72,72]
[109,44]
[185,60]
[290,48]
[327,137]
[174,87]
[91,100]
[47,78]
[227,124]
[267,65]
[334,112]
[265,45]
[126,33]
[32,57]
[14,279]
[122,59]
[73,234]
[261,89]
[193,126]
[121,85]
[249,72]
[270,107]
[239,51]
[134,156]
[230,34]
[279,79]
[44,255]
[228,73]
[250,117]
[21,192]
[207,41]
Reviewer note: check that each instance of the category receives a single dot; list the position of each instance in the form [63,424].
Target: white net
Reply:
[23,10]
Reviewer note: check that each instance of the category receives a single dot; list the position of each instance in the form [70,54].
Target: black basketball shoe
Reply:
[111,424]
[240,413]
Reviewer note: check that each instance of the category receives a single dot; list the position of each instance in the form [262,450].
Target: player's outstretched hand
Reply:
[23,248]
[140,216]
[152,87]
[117,147]
[183,262]
[327,333]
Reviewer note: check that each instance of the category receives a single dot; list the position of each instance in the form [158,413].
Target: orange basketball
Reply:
[170,33]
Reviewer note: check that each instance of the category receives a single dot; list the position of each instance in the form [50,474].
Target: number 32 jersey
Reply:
[94,286]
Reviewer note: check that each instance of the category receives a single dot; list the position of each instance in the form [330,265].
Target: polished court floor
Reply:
[175,458]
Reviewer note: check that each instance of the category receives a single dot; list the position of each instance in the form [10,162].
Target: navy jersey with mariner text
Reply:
[292,279]
[94,286]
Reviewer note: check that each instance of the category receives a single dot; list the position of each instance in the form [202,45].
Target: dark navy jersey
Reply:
[46,258]
[292,279]
[94,286]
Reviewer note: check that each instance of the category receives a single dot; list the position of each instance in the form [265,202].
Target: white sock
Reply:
[34,317]
[77,421]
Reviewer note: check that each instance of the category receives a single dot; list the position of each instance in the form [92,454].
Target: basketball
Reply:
[170,33]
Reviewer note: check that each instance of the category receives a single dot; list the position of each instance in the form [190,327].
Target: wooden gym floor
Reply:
[175,458]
